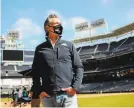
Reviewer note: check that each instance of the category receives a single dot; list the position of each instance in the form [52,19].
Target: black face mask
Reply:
[58,29]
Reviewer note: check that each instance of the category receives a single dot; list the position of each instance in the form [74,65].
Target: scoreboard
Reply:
[12,55]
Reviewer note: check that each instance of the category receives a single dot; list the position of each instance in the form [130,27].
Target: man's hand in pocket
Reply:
[70,91]
[43,94]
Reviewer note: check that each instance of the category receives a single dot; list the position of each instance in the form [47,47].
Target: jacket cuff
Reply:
[75,87]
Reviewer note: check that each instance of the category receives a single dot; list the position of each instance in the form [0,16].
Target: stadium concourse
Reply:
[109,66]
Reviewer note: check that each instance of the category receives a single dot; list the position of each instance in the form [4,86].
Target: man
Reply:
[57,70]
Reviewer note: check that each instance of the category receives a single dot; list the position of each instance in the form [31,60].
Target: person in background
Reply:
[13,96]
[24,92]
[20,94]
[16,96]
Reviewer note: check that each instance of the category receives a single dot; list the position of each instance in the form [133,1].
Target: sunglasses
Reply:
[59,25]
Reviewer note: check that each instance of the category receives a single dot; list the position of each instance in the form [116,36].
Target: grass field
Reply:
[106,100]
[101,100]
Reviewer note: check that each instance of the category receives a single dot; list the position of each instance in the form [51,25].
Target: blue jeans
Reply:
[62,100]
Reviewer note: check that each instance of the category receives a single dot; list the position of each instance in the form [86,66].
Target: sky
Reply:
[28,16]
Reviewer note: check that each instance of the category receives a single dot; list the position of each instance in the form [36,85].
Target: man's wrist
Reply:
[74,88]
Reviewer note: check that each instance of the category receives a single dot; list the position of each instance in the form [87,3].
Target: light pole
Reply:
[1,91]
[8,87]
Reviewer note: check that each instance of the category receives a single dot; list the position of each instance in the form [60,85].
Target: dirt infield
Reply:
[7,104]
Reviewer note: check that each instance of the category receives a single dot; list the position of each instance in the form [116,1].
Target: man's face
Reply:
[52,23]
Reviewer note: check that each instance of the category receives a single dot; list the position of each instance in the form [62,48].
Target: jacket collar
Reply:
[49,41]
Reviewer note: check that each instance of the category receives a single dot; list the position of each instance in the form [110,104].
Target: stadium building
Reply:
[13,59]
[108,65]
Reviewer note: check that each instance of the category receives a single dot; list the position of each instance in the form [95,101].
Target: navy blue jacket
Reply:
[56,68]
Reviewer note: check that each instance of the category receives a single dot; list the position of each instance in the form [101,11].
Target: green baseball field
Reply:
[106,100]
[94,100]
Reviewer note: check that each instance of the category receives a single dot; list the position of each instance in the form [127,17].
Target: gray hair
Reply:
[47,21]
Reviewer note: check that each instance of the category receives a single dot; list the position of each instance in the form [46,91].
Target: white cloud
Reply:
[34,42]
[27,27]
[105,1]
[78,20]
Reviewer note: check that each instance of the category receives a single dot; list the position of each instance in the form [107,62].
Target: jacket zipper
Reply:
[53,48]
[53,70]
[55,85]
